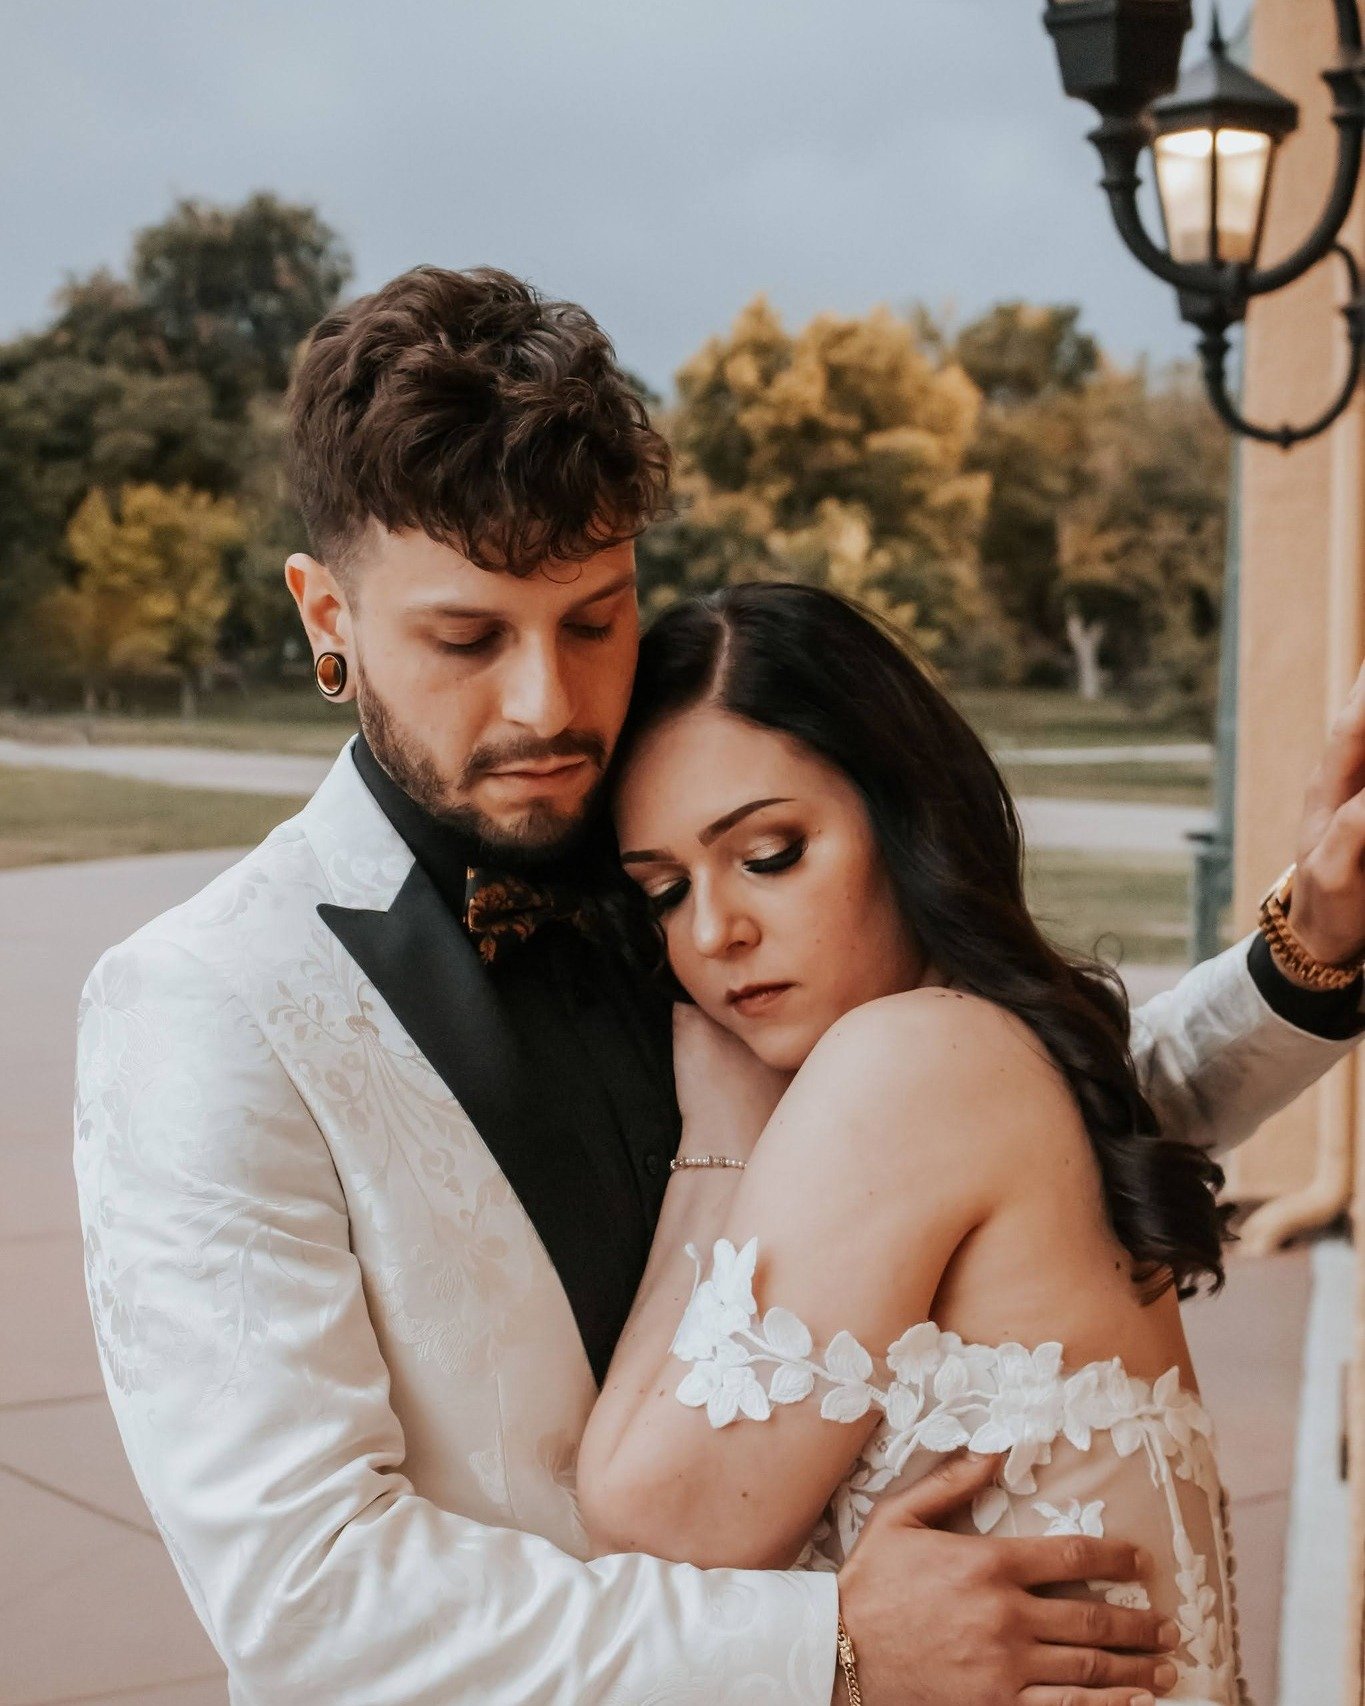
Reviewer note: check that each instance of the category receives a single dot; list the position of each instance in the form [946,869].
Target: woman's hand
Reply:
[726,1094]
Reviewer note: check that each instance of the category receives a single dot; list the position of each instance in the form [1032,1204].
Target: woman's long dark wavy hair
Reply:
[814,666]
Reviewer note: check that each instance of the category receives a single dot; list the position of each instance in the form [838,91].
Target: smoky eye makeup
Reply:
[663,900]
[782,860]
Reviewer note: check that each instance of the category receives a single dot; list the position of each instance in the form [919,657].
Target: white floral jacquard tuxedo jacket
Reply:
[335,1309]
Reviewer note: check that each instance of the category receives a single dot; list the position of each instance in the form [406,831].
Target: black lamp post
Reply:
[1214,135]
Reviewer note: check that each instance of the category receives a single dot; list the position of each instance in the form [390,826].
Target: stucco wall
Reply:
[1301,533]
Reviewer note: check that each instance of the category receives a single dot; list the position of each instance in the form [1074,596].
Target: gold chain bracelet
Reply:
[1286,949]
[679,1162]
[848,1663]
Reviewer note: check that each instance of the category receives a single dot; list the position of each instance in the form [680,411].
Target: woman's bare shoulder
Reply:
[932,1032]
[920,1071]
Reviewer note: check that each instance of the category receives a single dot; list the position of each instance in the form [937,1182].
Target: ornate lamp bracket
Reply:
[1213,294]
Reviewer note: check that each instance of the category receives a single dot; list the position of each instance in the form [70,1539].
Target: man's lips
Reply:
[552,767]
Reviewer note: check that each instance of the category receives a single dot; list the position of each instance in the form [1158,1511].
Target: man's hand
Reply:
[726,1095]
[1327,909]
[949,1620]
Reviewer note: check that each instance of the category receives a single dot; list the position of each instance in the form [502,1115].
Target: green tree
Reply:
[101,319]
[1102,544]
[224,292]
[232,291]
[1020,351]
[1142,540]
[262,622]
[150,592]
[168,376]
[1032,367]
[67,424]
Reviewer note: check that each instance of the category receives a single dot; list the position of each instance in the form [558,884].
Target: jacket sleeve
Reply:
[252,1399]
[1216,1059]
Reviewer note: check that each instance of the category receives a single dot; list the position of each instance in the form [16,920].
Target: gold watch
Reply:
[1288,952]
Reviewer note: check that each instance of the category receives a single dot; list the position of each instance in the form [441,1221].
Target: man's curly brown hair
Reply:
[466,406]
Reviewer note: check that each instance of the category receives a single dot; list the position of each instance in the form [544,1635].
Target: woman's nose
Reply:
[718,925]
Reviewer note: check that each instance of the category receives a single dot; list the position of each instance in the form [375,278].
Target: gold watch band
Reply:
[848,1663]
[1288,952]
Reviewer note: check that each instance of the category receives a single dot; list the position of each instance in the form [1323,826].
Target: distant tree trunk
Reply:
[90,699]
[189,698]
[1085,639]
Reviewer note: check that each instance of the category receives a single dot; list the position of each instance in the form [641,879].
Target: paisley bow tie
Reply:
[500,909]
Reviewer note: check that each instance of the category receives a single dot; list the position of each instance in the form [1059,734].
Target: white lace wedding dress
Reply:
[1090,1449]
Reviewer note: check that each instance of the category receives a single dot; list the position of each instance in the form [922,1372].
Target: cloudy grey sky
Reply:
[659,160]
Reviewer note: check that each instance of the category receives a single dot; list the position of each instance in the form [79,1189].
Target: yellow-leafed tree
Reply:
[835,455]
[150,595]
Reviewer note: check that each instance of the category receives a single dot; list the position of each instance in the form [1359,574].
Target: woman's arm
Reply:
[876,1165]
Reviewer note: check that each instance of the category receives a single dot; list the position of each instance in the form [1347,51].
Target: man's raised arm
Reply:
[1239,1037]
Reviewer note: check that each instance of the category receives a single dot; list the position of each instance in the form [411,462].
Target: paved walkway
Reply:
[1087,826]
[1110,826]
[90,1609]
[1314,1648]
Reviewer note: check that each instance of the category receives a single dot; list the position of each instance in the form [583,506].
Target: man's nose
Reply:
[535,694]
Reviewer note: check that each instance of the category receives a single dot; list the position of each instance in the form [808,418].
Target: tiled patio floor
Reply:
[90,1609]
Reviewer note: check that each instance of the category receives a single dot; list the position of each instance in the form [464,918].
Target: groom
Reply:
[373,1133]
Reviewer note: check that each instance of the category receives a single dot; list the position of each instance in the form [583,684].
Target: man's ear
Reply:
[323,605]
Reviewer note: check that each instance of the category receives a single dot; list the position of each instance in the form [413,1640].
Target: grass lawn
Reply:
[1123,910]
[48,816]
[1008,717]
[1157,784]
[289,720]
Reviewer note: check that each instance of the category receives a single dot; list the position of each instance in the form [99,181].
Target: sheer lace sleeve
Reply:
[1085,1450]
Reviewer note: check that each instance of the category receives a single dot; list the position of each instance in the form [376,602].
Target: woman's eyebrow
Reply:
[711,833]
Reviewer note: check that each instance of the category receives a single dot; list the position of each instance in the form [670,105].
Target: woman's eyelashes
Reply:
[665,899]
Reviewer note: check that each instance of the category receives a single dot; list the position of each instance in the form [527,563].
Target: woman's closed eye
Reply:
[663,899]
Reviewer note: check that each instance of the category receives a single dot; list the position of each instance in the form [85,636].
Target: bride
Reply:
[960,1226]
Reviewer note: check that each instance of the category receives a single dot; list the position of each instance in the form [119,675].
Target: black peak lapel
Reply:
[424,966]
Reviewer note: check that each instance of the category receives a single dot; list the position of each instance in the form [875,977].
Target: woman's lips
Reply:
[756,998]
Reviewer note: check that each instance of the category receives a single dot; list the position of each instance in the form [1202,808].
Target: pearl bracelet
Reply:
[678,1162]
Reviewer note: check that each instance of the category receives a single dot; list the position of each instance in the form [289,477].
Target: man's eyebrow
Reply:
[466,612]
[711,833]
[609,591]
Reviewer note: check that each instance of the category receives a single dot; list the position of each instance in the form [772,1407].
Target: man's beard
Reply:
[542,835]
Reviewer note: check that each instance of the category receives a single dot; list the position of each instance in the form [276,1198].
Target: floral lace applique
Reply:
[945,1394]
[941,1394]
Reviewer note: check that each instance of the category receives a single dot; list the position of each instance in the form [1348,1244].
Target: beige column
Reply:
[1302,639]
[1303,566]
